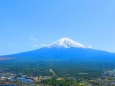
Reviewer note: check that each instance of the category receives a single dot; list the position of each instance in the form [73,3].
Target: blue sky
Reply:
[29,24]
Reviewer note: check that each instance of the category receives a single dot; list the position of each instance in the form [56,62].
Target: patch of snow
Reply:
[65,43]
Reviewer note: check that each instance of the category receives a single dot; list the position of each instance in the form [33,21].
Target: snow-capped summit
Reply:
[65,43]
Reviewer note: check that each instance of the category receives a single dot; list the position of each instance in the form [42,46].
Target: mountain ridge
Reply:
[67,49]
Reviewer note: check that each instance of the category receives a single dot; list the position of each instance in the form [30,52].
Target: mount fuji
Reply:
[64,48]
[64,56]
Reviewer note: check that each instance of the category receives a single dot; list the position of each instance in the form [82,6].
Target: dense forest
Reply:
[63,68]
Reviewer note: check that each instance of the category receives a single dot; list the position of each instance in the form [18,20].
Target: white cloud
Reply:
[39,45]
[35,43]
[33,39]
[89,46]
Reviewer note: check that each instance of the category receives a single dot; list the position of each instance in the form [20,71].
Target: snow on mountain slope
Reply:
[65,43]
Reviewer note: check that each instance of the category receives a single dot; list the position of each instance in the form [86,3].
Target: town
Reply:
[13,79]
